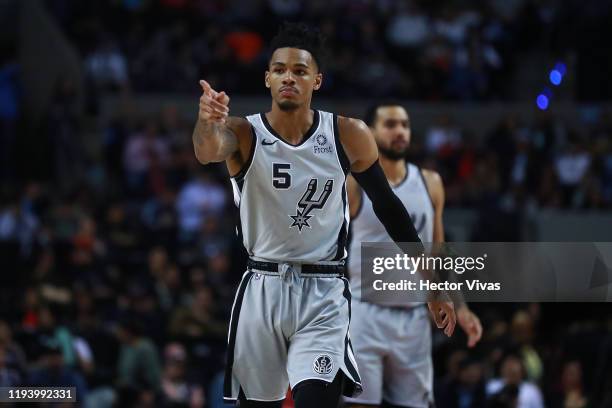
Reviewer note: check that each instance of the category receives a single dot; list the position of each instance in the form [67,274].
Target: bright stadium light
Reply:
[555,77]
[542,101]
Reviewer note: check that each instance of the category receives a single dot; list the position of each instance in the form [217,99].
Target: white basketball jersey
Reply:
[292,198]
[366,227]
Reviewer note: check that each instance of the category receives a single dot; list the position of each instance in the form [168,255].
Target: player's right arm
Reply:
[218,136]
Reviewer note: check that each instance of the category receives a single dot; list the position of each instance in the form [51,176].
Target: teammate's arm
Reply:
[217,136]
[468,321]
[362,153]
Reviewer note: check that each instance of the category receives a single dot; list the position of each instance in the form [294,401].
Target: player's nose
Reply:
[288,78]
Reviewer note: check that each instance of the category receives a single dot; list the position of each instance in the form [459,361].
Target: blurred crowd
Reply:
[522,165]
[462,50]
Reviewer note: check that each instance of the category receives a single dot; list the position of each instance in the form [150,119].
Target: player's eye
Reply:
[300,72]
[278,70]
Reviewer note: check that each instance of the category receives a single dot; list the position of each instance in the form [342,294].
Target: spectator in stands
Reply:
[139,368]
[199,199]
[572,393]
[176,388]
[199,319]
[14,356]
[443,138]
[512,374]
[466,390]
[523,333]
[107,66]
[571,166]
[18,224]
[145,159]
[54,372]
[9,377]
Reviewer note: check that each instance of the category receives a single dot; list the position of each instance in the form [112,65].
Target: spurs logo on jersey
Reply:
[307,204]
[292,198]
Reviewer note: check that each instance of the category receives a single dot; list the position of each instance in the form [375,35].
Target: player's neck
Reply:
[291,125]
[395,170]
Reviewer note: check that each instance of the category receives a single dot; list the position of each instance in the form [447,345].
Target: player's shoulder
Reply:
[435,186]
[352,131]
[432,177]
[349,125]
[240,126]
[238,121]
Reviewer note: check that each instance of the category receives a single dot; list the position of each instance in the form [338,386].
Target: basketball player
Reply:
[288,167]
[393,344]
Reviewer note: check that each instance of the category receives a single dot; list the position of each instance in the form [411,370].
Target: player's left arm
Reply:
[468,321]
[362,154]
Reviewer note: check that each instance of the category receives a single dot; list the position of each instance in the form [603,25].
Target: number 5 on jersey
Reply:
[281,178]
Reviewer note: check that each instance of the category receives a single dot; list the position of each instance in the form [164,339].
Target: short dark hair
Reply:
[372,112]
[302,36]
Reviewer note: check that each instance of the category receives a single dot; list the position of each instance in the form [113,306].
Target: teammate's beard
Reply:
[287,106]
[392,154]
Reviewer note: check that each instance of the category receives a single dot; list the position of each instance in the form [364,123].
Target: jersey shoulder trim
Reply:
[247,165]
[361,200]
[420,171]
[404,179]
[342,158]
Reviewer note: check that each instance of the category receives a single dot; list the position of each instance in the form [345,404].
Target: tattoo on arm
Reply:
[213,142]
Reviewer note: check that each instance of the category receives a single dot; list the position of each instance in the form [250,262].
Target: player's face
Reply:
[292,76]
[392,131]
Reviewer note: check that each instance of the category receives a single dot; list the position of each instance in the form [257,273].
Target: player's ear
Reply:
[318,81]
[267,79]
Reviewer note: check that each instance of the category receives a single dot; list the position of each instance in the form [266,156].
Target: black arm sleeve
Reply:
[387,207]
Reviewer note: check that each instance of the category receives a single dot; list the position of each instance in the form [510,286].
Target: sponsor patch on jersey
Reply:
[321,145]
[323,364]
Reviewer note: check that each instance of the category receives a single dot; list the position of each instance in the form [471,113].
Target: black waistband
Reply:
[305,268]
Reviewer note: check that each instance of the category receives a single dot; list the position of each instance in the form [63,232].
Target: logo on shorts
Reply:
[323,364]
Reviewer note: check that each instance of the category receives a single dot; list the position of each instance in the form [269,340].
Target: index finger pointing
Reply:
[207,88]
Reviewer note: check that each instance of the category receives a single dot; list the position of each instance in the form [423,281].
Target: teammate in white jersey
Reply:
[393,342]
[290,319]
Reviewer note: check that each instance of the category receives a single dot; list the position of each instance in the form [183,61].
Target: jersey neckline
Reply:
[403,180]
[307,135]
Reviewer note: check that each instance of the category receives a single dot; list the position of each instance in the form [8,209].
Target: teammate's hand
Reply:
[470,323]
[444,315]
[213,105]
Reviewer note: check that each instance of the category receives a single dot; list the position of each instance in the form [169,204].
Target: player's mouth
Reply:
[399,144]
[288,91]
